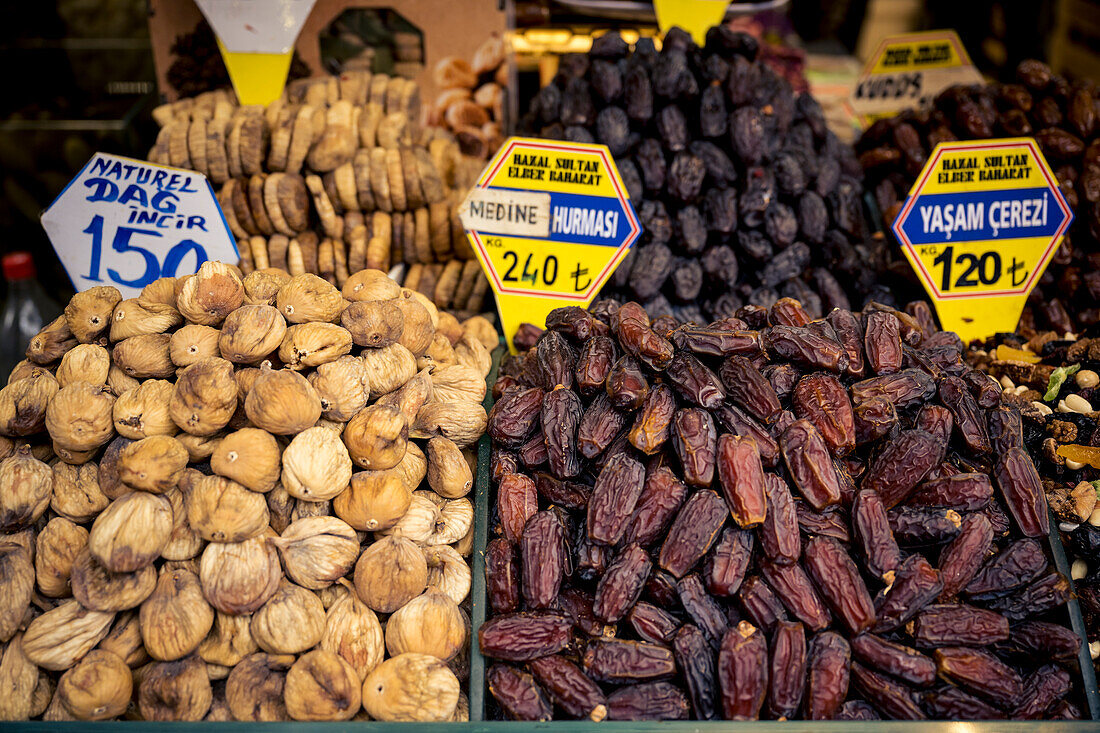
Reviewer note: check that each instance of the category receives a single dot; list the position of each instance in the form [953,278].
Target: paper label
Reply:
[498,211]
[571,189]
[979,227]
[908,71]
[694,16]
[126,222]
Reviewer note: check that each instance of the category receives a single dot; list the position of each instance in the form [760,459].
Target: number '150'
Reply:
[122,243]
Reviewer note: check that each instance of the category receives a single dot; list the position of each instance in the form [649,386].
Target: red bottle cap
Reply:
[18,266]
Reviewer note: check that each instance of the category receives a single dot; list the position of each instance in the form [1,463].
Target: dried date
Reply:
[821,399]
[695,440]
[516,692]
[570,688]
[650,701]
[695,660]
[616,661]
[501,576]
[896,660]
[542,556]
[741,478]
[521,637]
[810,464]
[692,533]
[614,497]
[828,669]
[786,669]
[743,672]
[840,584]
[619,589]
[653,423]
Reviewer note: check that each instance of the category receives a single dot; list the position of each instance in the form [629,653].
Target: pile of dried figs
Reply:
[215,496]
[335,176]
[744,194]
[1064,118]
[767,517]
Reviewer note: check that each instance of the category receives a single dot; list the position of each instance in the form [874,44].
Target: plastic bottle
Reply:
[27,308]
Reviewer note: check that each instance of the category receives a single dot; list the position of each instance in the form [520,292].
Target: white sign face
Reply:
[256,26]
[126,222]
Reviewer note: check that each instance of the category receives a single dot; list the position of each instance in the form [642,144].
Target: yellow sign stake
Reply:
[549,222]
[694,16]
[979,227]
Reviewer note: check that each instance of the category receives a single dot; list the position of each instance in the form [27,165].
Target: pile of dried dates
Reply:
[767,517]
[1063,118]
[743,193]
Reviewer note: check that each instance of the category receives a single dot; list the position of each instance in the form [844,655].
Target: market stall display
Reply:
[767,517]
[1062,117]
[335,176]
[1053,382]
[744,194]
[214,496]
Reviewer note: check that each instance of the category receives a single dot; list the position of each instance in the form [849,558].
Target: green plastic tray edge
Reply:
[482,499]
[1077,622]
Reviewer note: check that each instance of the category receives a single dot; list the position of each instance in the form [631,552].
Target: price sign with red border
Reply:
[979,227]
[549,221]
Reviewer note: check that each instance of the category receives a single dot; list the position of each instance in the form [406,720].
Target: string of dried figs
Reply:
[241,498]
[1062,116]
[743,192]
[769,517]
[1054,382]
[338,175]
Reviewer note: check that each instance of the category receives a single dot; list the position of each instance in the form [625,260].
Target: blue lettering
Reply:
[116,170]
[99,165]
[134,193]
[185,189]
[164,202]
[196,221]
[172,182]
[164,221]
[147,217]
[158,178]
[144,174]
[104,190]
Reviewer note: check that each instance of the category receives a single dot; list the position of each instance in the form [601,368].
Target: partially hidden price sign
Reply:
[256,40]
[125,223]
[908,71]
[694,16]
[979,227]
[549,222]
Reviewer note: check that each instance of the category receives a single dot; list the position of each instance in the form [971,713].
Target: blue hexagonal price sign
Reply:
[979,227]
[126,222]
[549,221]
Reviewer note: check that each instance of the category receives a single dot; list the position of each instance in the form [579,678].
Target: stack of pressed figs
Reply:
[769,517]
[215,496]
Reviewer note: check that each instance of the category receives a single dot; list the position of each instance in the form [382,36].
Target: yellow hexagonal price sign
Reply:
[979,227]
[549,221]
[908,71]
